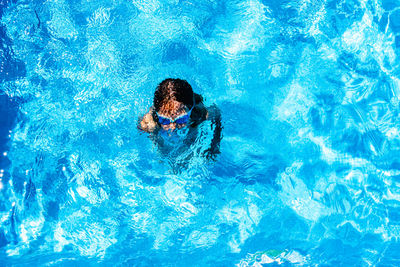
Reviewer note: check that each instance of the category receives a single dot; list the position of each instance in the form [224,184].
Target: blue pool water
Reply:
[309,170]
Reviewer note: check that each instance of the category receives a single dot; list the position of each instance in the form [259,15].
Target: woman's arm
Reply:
[214,114]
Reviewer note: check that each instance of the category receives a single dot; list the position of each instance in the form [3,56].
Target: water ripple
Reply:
[309,169]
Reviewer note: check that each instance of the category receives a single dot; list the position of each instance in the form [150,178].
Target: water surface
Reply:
[309,168]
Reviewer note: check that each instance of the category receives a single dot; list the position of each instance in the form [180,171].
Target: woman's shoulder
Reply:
[147,123]
[198,98]
[202,112]
[199,112]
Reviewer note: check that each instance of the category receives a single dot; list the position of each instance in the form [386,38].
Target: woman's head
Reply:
[175,90]
[173,98]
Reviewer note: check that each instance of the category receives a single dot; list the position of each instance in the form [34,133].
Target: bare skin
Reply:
[147,123]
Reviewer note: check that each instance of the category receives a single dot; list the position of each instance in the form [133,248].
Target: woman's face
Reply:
[172,110]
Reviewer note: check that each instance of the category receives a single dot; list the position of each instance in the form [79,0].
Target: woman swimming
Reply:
[177,108]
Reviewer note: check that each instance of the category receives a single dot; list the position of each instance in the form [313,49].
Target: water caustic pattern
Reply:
[309,168]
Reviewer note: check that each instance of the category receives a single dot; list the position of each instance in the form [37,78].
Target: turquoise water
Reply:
[309,168]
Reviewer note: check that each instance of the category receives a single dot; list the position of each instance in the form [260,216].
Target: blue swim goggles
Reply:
[179,120]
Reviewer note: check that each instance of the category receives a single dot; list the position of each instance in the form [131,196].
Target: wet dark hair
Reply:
[173,89]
